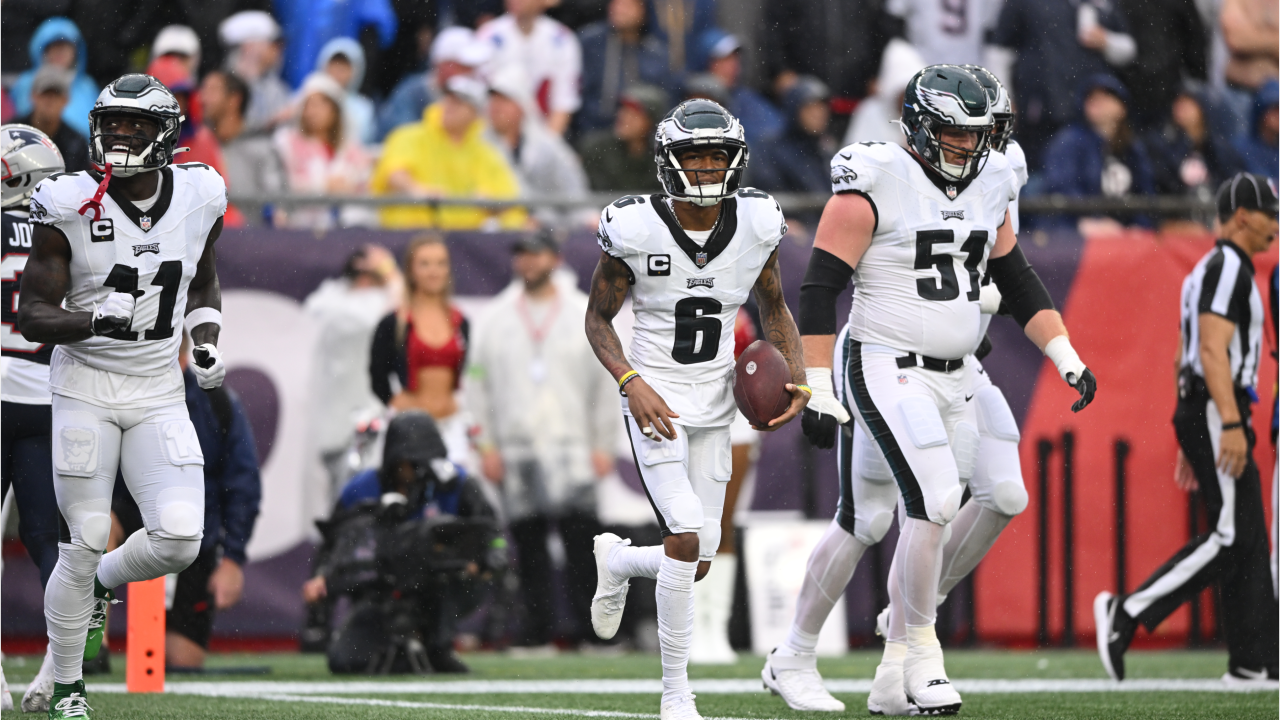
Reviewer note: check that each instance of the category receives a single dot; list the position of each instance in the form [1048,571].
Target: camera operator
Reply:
[414,544]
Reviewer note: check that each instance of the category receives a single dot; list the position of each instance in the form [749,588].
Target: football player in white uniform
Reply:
[130,251]
[868,495]
[29,157]
[689,257]
[918,229]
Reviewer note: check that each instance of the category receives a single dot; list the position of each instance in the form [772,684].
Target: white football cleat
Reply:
[887,695]
[795,678]
[6,700]
[679,707]
[611,591]
[40,689]
[924,677]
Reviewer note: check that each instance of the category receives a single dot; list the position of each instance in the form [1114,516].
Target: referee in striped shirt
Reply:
[1222,325]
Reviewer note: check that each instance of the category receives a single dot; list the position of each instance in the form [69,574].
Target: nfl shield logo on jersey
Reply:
[951,192]
[902,379]
[700,259]
[144,222]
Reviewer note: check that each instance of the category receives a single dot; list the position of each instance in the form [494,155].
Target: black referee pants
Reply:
[28,467]
[1234,554]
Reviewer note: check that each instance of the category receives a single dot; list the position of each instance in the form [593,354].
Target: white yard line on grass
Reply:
[654,686]
[521,709]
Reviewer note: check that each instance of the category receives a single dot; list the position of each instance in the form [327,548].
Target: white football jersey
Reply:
[686,297]
[152,253]
[918,282]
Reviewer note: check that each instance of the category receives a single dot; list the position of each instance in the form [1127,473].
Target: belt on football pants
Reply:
[928,363]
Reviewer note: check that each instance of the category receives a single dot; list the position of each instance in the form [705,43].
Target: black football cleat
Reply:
[1115,631]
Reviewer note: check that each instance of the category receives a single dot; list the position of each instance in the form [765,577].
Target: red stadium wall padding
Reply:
[1123,315]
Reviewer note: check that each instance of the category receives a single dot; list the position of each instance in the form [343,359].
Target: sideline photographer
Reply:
[415,545]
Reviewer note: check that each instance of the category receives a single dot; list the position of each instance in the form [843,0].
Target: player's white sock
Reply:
[831,566]
[897,624]
[636,561]
[973,532]
[68,601]
[146,557]
[713,605]
[675,623]
[918,559]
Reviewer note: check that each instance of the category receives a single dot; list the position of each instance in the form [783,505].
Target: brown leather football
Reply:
[760,386]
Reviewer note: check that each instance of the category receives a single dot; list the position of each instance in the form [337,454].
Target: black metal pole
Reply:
[1044,448]
[1068,540]
[1122,458]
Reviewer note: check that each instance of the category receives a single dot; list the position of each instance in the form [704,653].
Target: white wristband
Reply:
[1064,356]
[200,316]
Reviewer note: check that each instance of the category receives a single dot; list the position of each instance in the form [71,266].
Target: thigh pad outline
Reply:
[77,443]
[923,422]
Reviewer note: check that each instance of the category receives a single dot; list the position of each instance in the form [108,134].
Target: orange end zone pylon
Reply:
[144,661]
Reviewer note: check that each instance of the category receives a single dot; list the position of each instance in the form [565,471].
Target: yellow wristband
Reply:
[806,388]
[625,377]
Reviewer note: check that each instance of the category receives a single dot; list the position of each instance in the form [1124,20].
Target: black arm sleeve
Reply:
[382,358]
[1023,293]
[825,279]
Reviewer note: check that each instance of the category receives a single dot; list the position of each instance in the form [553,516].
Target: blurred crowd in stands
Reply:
[504,99]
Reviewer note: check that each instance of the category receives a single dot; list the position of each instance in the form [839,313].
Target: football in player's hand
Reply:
[761,383]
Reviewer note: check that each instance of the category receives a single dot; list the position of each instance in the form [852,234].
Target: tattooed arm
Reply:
[205,291]
[609,285]
[780,330]
[45,282]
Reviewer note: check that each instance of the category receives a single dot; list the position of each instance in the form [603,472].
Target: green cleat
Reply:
[102,597]
[69,701]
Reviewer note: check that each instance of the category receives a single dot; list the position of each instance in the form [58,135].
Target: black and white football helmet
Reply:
[699,123]
[29,156]
[140,96]
[941,96]
[1001,106]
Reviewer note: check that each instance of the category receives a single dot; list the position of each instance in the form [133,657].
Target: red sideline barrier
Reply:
[1123,314]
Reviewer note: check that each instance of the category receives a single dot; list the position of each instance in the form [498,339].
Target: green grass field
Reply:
[300,687]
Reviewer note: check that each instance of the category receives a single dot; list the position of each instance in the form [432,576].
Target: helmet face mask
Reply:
[941,98]
[133,126]
[28,156]
[700,125]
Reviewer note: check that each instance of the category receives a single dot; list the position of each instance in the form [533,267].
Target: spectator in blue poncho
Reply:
[58,42]
[309,24]
[1259,147]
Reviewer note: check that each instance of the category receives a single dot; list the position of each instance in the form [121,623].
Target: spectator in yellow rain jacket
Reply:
[446,156]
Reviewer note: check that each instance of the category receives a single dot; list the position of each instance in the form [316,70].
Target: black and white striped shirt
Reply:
[1222,283]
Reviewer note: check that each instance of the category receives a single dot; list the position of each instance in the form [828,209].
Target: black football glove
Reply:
[824,414]
[1086,385]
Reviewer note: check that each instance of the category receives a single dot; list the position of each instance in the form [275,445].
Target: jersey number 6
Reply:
[946,288]
[123,278]
[696,315]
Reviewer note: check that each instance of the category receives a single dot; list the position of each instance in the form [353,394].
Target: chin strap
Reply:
[95,203]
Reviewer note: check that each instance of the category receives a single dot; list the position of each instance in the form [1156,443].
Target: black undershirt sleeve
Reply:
[825,279]
[1023,293]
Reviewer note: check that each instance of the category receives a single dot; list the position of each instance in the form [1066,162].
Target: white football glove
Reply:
[115,313]
[208,366]
[824,413]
